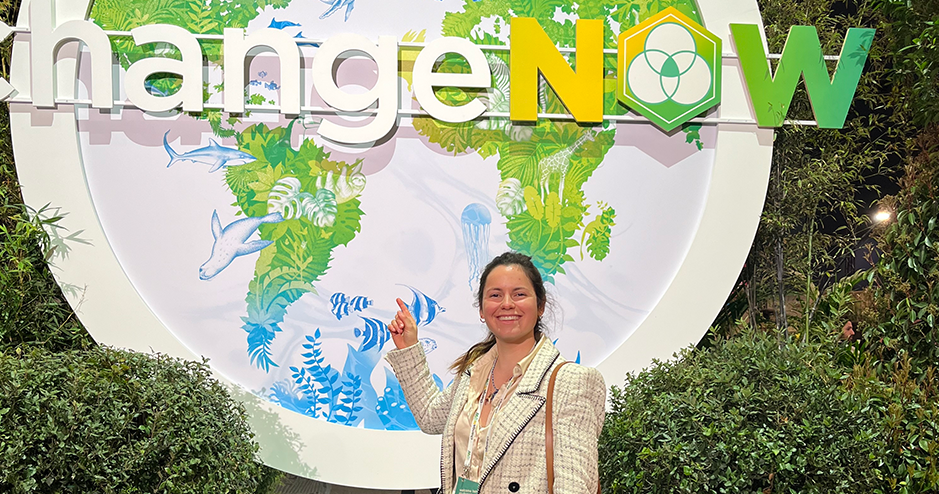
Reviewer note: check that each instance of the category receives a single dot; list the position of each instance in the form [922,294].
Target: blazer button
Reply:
[514,487]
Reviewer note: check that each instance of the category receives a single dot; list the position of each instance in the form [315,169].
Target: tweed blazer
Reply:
[516,459]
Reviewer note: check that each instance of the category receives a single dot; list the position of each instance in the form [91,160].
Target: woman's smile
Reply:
[510,307]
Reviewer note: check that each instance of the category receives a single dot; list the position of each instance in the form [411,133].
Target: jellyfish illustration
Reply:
[475,220]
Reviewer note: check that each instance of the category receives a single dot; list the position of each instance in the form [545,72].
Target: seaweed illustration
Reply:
[319,390]
[392,409]
[543,166]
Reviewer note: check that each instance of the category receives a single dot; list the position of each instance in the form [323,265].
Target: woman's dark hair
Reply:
[534,276]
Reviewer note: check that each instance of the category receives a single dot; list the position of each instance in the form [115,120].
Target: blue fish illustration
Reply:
[275,24]
[335,5]
[213,155]
[375,333]
[314,44]
[343,306]
[428,344]
[340,305]
[230,242]
[272,86]
[423,308]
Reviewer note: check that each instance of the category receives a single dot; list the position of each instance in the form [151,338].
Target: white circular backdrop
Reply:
[683,231]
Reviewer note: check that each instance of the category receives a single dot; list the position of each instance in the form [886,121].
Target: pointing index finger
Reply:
[403,307]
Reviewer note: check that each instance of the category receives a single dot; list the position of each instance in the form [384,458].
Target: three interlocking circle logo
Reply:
[669,69]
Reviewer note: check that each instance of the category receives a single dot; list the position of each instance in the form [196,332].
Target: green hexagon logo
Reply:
[669,69]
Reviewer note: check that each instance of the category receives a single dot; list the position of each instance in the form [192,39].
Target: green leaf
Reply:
[533,203]
[552,209]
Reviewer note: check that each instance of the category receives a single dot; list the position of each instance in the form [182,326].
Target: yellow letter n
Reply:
[533,53]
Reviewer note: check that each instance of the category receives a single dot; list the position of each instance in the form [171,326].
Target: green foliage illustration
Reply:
[544,166]
[317,198]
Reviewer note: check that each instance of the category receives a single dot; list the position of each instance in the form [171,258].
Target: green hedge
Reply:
[744,416]
[105,420]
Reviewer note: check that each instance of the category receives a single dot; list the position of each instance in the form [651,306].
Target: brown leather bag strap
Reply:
[549,430]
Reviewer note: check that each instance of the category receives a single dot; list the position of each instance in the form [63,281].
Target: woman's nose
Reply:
[507,301]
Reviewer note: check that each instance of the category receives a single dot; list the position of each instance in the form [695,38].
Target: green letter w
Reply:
[802,54]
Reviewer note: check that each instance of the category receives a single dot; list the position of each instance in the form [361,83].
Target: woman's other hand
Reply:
[403,328]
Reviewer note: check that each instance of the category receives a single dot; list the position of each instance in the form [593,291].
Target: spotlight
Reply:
[882,216]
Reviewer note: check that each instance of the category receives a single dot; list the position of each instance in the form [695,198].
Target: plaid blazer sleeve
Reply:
[429,405]
[580,407]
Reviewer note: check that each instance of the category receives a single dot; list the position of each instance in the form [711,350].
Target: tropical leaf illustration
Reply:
[510,199]
[533,203]
[597,233]
[289,181]
[287,197]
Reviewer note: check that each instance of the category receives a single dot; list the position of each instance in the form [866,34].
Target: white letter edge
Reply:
[425,79]
[385,91]
[189,68]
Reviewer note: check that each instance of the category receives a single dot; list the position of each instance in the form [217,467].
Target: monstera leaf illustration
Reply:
[510,199]
[321,208]
[287,198]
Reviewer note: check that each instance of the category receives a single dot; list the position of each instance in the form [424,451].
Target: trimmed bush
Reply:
[744,416]
[106,420]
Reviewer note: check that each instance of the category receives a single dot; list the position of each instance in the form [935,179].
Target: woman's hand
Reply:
[403,328]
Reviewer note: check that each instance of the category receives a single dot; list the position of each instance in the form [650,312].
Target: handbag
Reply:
[549,431]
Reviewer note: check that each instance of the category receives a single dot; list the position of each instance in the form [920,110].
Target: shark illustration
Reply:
[275,24]
[214,155]
[335,5]
[230,242]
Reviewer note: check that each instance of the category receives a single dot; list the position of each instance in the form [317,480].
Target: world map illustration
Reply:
[278,254]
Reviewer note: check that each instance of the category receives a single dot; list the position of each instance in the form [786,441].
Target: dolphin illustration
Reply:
[335,5]
[230,242]
[213,154]
[275,24]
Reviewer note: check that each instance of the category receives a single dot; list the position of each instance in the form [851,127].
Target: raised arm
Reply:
[429,405]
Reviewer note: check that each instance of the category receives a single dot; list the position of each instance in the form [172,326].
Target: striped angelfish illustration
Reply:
[343,306]
[423,308]
[374,334]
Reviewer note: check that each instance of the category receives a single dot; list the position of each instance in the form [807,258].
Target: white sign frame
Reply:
[49,165]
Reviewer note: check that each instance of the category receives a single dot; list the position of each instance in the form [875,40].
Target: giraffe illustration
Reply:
[559,163]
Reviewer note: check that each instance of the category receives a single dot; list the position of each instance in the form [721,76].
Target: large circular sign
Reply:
[254,241]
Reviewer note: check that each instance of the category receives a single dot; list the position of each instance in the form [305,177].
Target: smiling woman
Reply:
[493,415]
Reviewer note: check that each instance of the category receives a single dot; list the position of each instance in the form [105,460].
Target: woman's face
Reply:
[510,306]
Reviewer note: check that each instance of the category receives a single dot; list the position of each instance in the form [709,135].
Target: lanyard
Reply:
[471,443]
